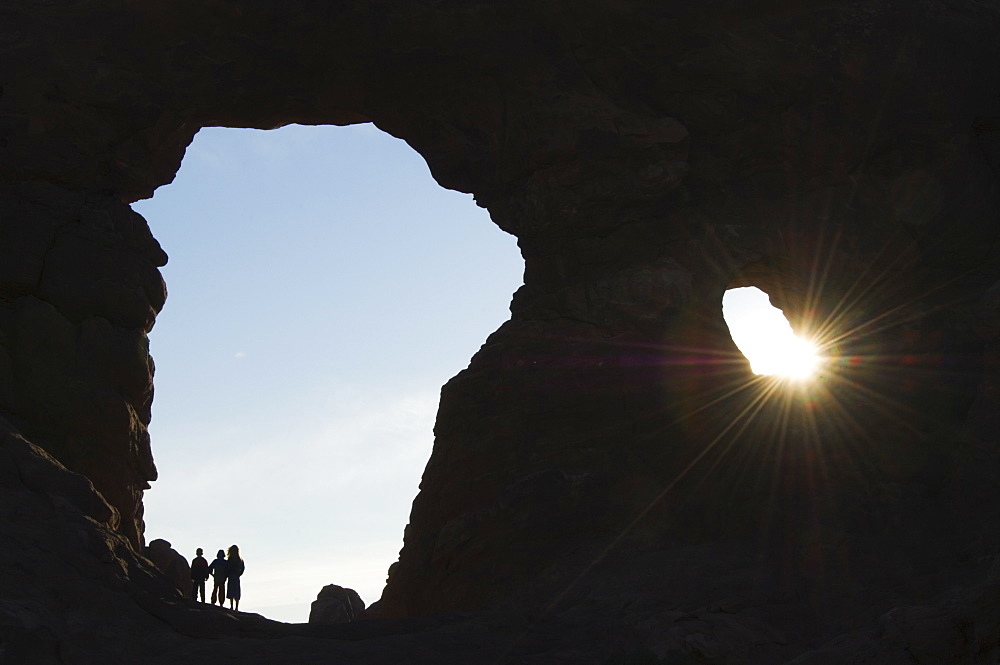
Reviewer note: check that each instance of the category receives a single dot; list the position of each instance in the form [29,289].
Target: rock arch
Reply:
[644,153]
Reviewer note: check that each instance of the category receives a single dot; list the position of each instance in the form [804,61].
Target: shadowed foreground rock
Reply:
[609,482]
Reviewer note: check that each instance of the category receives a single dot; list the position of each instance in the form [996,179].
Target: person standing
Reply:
[220,573]
[236,567]
[199,573]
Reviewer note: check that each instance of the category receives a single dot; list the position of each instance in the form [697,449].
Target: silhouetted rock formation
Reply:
[335,604]
[606,476]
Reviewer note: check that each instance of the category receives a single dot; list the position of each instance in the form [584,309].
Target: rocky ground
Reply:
[76,593]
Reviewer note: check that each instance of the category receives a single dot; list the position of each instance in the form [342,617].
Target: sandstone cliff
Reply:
[606,474]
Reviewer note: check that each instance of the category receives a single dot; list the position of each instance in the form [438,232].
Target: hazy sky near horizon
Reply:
[322,288]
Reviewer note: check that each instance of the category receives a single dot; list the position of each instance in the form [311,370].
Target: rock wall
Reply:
[607,445]
[79,290]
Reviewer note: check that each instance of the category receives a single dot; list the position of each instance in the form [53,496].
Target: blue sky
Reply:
[322,288]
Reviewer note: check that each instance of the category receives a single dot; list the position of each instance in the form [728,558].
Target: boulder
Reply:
[170,562]
[335,604]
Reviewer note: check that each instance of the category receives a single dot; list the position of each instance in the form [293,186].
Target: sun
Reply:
[791,357]
[763,335]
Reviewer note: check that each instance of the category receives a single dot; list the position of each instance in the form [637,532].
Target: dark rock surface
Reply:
[608,481]
[335,604]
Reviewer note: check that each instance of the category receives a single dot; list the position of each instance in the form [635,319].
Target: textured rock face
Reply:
[335,604]
[606,453]
[79,289]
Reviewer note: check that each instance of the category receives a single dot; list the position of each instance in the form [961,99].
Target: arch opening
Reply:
[765,337]
[323,287]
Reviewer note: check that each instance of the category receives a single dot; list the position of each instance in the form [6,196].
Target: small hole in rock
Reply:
[764,336]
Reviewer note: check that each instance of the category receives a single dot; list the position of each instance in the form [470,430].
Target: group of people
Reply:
[224,572]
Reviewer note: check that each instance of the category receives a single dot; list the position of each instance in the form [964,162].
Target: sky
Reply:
[322,288]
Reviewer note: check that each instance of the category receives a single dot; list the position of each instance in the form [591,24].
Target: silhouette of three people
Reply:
[225,574]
